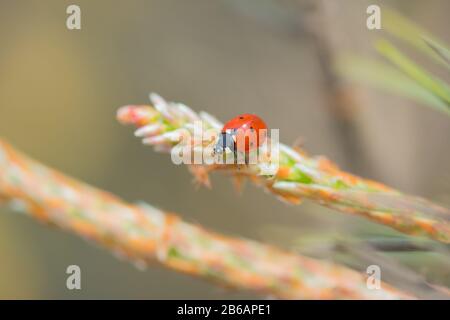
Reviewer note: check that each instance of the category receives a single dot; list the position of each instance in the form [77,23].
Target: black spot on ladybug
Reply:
[241,117]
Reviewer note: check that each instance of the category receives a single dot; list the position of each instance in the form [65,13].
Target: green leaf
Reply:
[441,50]
[400,27]
[438,87]
[299,176]
[388,78]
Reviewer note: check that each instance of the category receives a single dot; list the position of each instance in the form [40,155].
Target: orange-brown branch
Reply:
[145,234]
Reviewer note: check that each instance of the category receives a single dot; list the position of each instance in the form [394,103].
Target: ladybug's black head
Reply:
[225,141]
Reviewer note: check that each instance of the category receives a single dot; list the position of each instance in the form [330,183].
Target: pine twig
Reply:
[145,234]
[299,175]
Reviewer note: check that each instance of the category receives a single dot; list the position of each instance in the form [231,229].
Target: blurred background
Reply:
[60,89]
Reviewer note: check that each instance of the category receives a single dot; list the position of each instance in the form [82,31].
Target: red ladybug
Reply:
[242,133]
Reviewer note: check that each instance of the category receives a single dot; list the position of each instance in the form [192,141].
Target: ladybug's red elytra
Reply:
[243,133]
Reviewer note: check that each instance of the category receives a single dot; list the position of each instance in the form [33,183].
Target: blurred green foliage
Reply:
[403,76]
